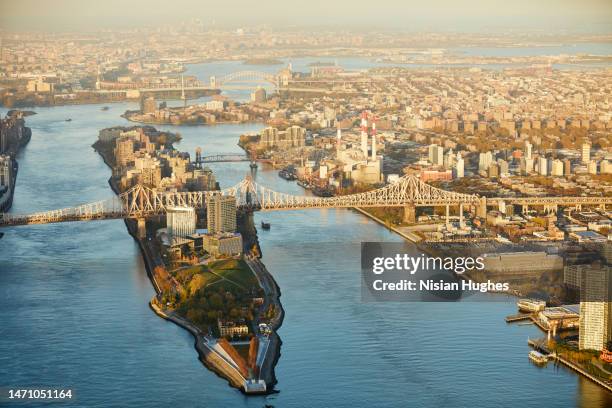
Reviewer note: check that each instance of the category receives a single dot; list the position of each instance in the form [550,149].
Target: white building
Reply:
[557,168]
[542,166]
[586,153]
[180,221]
[485,160]
[528,148]
[459,167]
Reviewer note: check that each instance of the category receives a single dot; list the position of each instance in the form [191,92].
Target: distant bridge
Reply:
[409,192]
[243,77]
[224,158]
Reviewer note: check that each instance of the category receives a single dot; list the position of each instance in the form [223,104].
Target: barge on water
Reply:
[287,174]
[538,357]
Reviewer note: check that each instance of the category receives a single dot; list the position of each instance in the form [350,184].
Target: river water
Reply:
[74,313]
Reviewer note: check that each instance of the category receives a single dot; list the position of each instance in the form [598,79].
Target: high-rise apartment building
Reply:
[528,148]
[221,214]
[557,168]
[586,153]
[459,167]
[484,160]
[436,155]
[180,221]
[595,307]
[542,166]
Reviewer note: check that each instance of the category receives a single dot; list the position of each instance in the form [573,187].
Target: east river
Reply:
[74,304]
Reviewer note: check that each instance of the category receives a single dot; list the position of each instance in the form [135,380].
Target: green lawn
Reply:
[226,271]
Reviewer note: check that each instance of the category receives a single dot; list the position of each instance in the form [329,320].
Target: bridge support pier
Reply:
[482,208]
[447,218]
[142,228]
[410,214]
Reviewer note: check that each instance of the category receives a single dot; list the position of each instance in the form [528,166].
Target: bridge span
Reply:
[141,202]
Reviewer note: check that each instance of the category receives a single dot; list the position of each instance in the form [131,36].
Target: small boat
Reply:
[265,225]
[105,108]
[287,175]
[538,357]
[253,165]
[1,235]
[69,120]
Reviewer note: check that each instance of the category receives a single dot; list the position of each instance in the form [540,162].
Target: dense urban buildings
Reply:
[289,141]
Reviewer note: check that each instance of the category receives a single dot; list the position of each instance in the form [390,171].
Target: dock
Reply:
[540,345]
[518,317]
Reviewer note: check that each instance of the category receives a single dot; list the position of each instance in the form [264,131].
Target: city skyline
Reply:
[438,15]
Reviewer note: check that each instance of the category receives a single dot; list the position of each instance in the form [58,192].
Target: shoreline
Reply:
[126,117]
[8,203]
[211,358]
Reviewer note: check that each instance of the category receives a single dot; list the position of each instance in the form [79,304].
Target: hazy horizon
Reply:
[588,16]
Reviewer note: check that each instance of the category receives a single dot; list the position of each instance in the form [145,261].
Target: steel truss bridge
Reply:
[141,202]
[224,158]
[243,77]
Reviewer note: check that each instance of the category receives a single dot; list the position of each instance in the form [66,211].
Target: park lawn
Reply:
[236,271]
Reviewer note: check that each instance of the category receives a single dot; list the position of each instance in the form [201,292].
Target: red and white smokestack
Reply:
[364,134]
[374,139]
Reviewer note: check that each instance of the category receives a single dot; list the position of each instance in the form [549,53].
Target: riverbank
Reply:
[6,198]
[210,352]
[186,123]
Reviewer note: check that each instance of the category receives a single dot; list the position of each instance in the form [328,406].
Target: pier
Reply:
[518,317]
[540,345]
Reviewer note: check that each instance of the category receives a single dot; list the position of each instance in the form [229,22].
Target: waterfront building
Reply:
[230,328]
[148,105]
[520,265]
[223,244]
[221,214]
[5,171]
[294,136]
[124,150]
[592,167]
[180,221]
[3,137]
[595,307]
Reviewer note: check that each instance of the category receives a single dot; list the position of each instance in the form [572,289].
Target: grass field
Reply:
[226,271]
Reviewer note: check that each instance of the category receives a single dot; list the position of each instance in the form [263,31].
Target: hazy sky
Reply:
[443,15]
